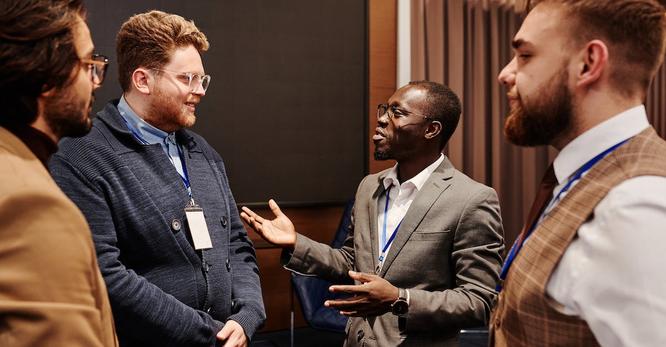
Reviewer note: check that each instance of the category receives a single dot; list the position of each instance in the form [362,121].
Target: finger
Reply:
[253,216]
[232,341]
[275,208]
[347,288]
[359,313]
[346,305]
[252,223]
[237,338]
[259,219]
[246,218]
[361,276]
[224,333]
[247,211]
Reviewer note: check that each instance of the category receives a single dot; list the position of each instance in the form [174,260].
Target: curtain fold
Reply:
[464,44]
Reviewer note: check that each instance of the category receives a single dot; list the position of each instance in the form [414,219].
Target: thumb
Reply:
[275,208]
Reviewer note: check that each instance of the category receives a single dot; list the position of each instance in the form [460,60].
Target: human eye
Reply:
[185,77]
[398,112]
[523,56]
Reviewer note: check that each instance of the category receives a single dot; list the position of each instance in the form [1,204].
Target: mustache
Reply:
[380,131]
[194,100]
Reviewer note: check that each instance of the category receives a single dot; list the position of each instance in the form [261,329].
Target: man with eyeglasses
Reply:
[173,251]
[425,246]
[51,289]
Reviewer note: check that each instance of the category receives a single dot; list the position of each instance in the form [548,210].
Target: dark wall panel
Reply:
[287,104]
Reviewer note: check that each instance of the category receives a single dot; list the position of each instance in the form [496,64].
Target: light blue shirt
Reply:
[148,135]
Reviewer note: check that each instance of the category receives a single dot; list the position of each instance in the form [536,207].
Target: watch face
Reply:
[399,307]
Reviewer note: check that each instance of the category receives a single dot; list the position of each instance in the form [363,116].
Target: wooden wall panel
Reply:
[382,66]
[317,223]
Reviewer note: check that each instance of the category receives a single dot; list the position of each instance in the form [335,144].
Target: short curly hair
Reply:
[37,53]
[443,105]
[148,40]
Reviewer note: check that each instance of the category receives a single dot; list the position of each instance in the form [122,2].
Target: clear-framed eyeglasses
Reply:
[97,65]
[191,79]
[395,112]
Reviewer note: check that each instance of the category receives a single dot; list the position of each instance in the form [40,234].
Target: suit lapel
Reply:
[435,186]
[372,214]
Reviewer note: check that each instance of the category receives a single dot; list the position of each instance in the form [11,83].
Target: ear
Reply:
[141,80]
[593,64]
[433,130]
[48,93]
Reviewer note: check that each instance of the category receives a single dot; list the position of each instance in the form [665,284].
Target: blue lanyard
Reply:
[185,176]
[388,243]
[577,175]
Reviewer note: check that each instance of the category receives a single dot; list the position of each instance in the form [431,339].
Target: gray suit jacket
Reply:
[447,253]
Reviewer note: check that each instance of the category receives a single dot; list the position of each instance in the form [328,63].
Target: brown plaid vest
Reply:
[524,314]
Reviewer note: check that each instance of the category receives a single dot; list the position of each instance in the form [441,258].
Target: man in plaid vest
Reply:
[587,269]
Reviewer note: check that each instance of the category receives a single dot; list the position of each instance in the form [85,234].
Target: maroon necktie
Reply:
[545,194]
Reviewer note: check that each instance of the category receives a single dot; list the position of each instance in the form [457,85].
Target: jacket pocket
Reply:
[429,235]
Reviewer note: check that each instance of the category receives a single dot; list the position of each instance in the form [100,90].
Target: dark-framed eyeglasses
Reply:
[97,65]
[396,112]
[191,79]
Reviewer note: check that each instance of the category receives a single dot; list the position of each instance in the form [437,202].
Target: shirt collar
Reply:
[596,140]
[139,127]
[38,142]
[417,181]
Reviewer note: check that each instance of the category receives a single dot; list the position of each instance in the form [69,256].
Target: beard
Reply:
[168,113]
[400,142]
[543,120]
[382,155]
[68,115]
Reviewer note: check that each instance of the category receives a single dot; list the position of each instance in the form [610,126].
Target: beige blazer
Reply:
[51,290]
[447,253]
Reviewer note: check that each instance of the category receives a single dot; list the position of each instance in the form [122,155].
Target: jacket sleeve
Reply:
[247,302]
[310,257]
[141,309]
[477,258]
[49,274]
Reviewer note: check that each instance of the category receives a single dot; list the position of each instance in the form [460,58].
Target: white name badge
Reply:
[198,227]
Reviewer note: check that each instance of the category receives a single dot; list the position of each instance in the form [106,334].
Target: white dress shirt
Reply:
[401,197]
[612,274]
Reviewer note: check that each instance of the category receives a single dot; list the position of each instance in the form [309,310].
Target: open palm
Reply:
[279,231]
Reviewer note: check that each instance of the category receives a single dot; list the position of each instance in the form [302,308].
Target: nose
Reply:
[198,90]
[96,83]
[382,120]
[508,74]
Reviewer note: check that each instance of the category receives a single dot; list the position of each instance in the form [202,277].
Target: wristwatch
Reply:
[400,307]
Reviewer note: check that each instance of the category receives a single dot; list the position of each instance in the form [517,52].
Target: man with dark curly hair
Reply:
[51,290]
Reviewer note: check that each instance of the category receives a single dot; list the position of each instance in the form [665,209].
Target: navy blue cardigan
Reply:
[163,292]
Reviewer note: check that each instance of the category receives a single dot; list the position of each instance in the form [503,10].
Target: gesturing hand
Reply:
[279,231]
[373,297]
[232,334]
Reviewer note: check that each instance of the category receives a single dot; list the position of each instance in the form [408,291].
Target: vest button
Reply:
[359,335]
[228,264]
[224,221]
[176,225]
